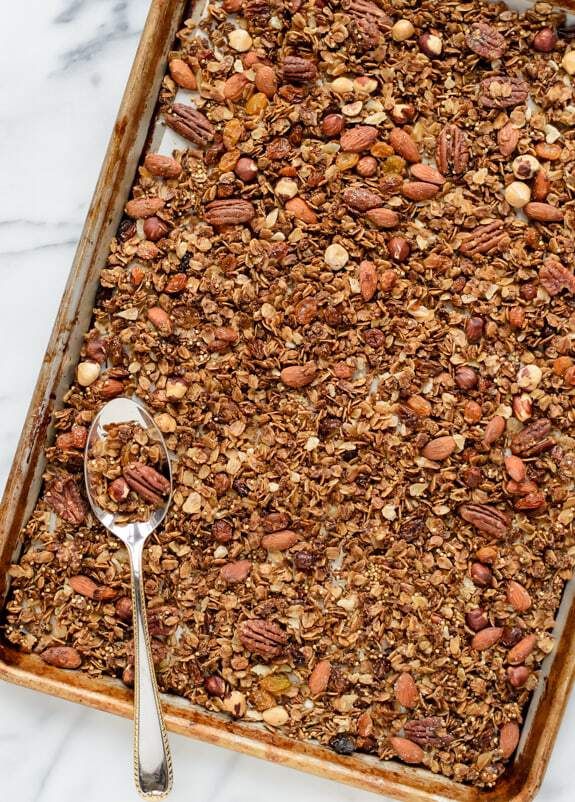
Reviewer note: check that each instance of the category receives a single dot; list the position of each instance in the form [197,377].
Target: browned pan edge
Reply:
[393,779]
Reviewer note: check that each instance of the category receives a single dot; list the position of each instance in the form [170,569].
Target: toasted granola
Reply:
[358,345]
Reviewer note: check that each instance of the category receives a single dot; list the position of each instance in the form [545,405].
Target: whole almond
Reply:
[365,725]
[427,173]
[521,651]
[440,448]
[176,283]
[234,86]
[419,190]
[487,554]
[508,738]
[301,210]
[62,657]
[319,677]
[266,80]
[515,467]
[105,593]
[83,585]
[143,207]
[404,145]
[146,250]
[406,691]
[279,541]
[182,74]
[541,186]
[407,750]
[517,675]
[236,572]
[359,138]
[507,139]
[367,279]
[298,375]
[518,597]
[543,212]
[419,405]
[162,166]
[494,430]
[486,638]
[160,319]
[383,218]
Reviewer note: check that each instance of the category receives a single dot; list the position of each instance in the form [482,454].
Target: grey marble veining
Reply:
[63,66]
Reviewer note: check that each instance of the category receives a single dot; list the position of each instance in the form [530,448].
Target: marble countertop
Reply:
[63,66]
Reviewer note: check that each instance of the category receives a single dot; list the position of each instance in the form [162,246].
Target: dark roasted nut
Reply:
[63,496]
[534,439]
[343,743]
[429,731]
[545,40]
[452,151]
[507,139]
[147,482]
[222,531]
[399,249]
[305,561]
[361,199]
[486,41]
[124,608]
[298,70]
[262,637]
[472,476]
[474,328]
[155,228]
[502,92]
[191,124]
[466,378]
[62,657]
[485,239]
[481,574]
[476,620]
[215,686]
[332,124]
[486,519]
[231,212]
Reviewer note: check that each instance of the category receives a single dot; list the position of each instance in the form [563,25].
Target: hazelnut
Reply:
[522,407]
[402,30]
[118,490]
[398,248]
[403,113]
[529,376]
[87,373]
[568,62]
[476,619]
[286,189]
[176,389]
[516,317]
[430,44]
[481,574]
[466,378]
[240,40]
[528,291]
[215,686]
[366,167]
[517,675]
[544,40]
[155,229]
[332,125]
[474,329]
[525,167]
[517,194]
[472,412]
[124,608]
[246,169]
[336,256]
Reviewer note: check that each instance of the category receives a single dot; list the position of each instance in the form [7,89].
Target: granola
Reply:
[346,298]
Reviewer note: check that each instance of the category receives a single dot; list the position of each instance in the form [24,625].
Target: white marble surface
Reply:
[63,65]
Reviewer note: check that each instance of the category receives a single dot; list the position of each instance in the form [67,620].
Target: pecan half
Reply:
[485,41]
[533,439]
[452,150]
[502,92]
[487,519]
[366,9]
[555,277]
[191,124]
[146,482]
[298,70]
[485,238]
[63,496]
[428,731]
[230,212]
[262,637]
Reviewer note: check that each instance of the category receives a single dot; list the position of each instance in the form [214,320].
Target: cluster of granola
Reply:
[346,301]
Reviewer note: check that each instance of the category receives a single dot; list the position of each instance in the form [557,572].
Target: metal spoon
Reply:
[152,759]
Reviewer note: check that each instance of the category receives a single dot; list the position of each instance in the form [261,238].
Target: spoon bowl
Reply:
[152,759]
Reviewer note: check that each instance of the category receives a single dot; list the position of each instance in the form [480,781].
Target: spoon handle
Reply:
[152,758]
